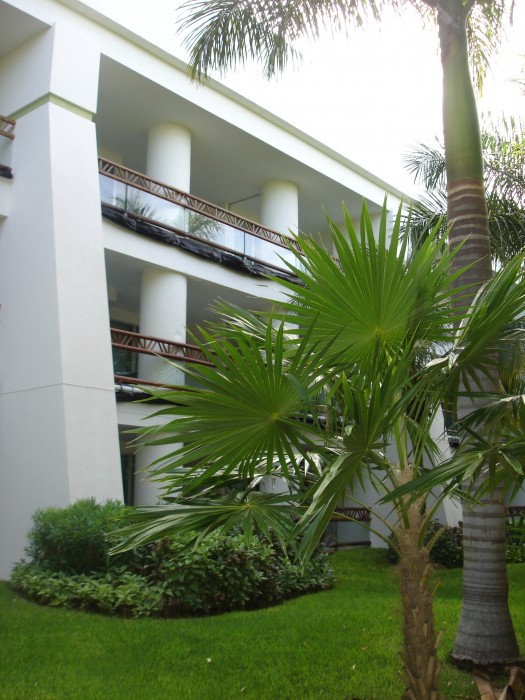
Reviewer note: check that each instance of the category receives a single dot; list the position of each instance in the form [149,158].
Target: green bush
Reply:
[73,539]
[229,573]
[516,538]
[170,578]
[448,548]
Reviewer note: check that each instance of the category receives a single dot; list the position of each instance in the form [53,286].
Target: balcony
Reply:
[165,213]
[127,344]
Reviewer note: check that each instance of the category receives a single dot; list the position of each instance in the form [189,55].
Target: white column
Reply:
[146,491]
[169,161]
[169,155]
[163,301]
[280,206]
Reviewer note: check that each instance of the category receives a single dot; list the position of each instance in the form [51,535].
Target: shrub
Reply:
[516,538]
[171,578]
[73,539]
[225,573]
[448,548]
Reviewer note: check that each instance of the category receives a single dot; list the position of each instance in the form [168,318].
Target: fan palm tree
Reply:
[504,167]
[223,33]
[314,394]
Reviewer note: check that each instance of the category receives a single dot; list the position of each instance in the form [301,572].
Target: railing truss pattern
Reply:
[359,514]
[149,345]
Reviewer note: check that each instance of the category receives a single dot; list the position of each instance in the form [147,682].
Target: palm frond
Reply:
[226,33]
[270,514]
[252,407]
[376,297]
[427,165]
[485,27]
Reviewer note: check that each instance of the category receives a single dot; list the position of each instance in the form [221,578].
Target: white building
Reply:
[82,96]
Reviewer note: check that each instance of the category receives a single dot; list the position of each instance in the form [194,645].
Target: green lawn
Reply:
[339,644]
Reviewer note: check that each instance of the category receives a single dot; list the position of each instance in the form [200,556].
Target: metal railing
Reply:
[150,345]
[343,513]
[183,213]
[7,127]
[130,341]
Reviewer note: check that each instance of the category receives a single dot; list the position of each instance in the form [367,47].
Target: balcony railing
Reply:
[7,127]
[345,513]
[130,341]
[182,213]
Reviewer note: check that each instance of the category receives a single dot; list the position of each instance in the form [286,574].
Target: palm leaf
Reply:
[226,33]
[376,297]
[270,514]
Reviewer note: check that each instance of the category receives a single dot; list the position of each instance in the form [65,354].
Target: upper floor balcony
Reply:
[168,214]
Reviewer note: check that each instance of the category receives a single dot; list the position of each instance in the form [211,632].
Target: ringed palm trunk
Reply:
[486,634]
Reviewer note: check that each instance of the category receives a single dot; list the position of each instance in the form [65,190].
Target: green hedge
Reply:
[170,578]
[516,538]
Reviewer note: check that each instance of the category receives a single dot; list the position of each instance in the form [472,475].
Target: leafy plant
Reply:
[174,577]
[73,540]
[516,538]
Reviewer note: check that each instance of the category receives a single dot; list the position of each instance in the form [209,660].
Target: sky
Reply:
[371,94]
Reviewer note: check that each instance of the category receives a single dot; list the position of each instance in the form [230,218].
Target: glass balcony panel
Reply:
[215,231]
[150,206]
[267,252]
[112,191]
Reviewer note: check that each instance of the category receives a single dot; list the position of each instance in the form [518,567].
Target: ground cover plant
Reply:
[70,566]
[336,644]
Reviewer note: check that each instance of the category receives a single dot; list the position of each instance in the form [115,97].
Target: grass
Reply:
[339,644]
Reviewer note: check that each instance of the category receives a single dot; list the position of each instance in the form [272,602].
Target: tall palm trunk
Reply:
[486,634]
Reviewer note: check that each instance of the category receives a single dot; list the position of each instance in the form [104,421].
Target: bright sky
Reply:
[370,95]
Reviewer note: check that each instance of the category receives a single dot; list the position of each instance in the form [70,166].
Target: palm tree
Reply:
[504,167]
[503,151]
[314,393]
[225,32]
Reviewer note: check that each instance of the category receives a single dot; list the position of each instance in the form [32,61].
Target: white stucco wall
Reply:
[58,428]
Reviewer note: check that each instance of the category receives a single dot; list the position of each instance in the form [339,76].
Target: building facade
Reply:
[130,200]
